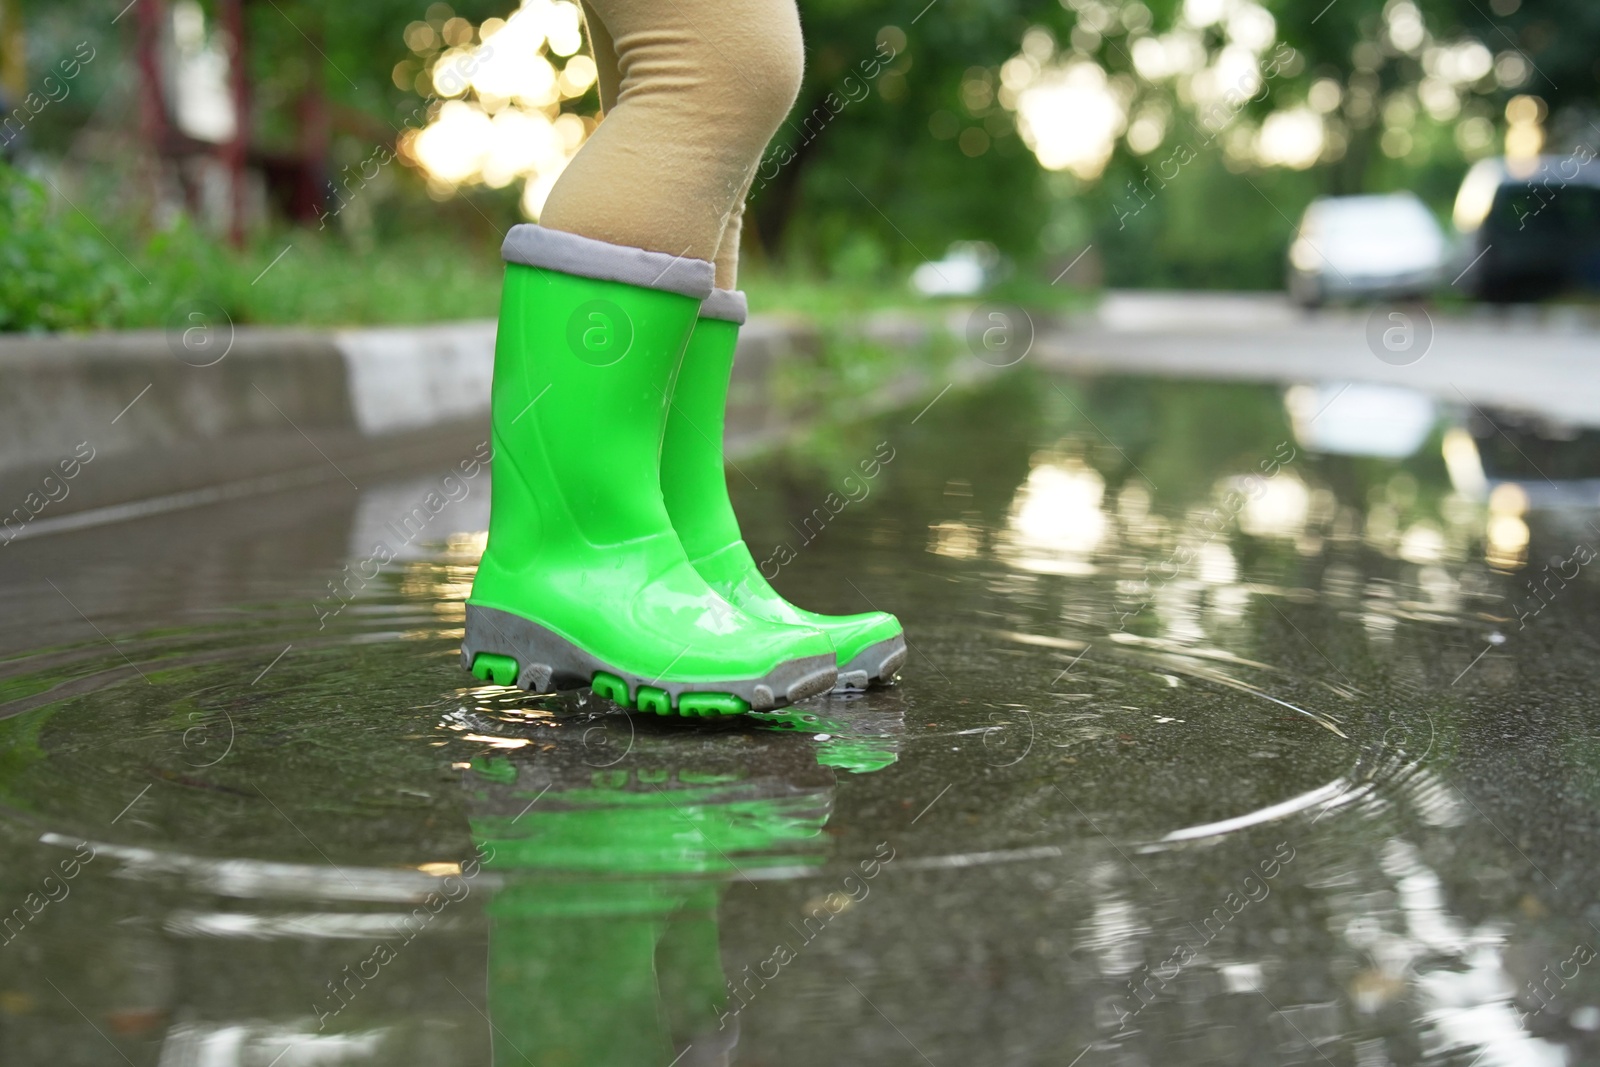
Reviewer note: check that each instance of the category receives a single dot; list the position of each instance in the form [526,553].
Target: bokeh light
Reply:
[510,100]
[1217,59]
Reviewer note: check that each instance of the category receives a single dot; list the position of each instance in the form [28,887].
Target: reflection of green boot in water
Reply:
[632,978]
[603,942]
[870,646]
[615,846]
[584,581]
[860,739]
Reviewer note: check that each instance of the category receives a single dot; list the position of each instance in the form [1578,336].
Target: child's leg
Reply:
[870,647]
[727,260]
[703,85]
[608,79]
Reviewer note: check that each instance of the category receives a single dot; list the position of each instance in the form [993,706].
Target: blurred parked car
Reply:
[1365,246]
[1529,229]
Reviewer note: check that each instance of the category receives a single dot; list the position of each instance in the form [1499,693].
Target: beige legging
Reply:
[692,91]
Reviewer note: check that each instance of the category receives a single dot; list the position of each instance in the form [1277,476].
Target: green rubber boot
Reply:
[870,646]
[583,581]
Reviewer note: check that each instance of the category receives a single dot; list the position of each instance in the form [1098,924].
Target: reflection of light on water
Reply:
[1187,579]
[954,538]
[1056,522]
[1133,504]
[1506,533]
[1114,933]
[229,1042]
[468,545]
[1217,565]
[1442,595]
[1422,543]
[1436,803]
[1508,541]
[1278,510]
[1461,459]
[1192,598]
[1467,995]
[1462,976]
[1360,418]
[1177,605]
[1140,526]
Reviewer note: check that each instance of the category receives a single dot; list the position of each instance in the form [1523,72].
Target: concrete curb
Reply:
[127,391]
[165,423]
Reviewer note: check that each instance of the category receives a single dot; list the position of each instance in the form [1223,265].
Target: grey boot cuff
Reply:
[726,304]
[536,246]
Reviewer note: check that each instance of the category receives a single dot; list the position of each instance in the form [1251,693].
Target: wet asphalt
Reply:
[1232,732]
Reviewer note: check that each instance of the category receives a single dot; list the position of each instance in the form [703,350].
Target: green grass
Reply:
[320,282]
[61,270]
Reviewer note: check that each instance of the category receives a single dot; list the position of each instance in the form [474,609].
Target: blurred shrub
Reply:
[56,272]
[62,270]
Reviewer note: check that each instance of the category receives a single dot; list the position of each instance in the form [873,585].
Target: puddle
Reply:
[1220,741]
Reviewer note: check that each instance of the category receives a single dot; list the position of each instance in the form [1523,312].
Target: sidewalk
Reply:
[1543,359]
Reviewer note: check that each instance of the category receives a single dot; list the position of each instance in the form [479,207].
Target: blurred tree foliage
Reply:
[897,173]
[885,161]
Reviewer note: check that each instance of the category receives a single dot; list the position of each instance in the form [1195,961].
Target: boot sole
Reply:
[510,650]
[874,665]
